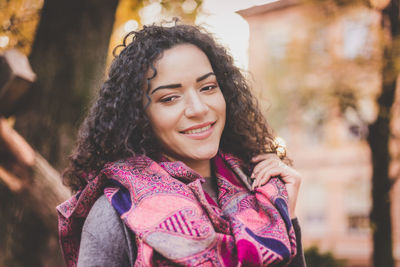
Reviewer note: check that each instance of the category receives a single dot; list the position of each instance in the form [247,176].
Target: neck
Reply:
[202,167]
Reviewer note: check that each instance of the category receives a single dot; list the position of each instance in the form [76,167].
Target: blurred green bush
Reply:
[315,258]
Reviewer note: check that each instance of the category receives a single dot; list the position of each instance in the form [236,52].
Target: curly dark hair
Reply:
[117,126]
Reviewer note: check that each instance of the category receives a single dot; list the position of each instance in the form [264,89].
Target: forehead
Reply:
[181,62]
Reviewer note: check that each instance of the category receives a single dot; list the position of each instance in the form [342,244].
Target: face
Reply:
[187,108]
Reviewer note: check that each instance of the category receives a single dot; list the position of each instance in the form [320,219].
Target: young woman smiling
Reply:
[175,165]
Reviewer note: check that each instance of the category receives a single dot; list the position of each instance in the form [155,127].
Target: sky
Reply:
[230,29]
[218,17]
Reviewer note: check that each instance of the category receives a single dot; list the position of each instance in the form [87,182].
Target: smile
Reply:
[199,130]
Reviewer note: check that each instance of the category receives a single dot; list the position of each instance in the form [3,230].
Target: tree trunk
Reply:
[378,139]
[68,55]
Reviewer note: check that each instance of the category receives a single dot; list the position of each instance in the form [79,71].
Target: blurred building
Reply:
[316,73]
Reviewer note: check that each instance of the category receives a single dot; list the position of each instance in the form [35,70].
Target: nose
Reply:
[196,106]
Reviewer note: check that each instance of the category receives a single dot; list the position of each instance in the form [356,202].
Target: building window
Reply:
[358,222]
[277,42]
[315,211]
[357,202]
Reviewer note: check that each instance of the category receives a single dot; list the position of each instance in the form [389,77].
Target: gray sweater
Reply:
[106,241]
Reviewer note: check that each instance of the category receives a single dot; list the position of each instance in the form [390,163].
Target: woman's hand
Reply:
[268,166]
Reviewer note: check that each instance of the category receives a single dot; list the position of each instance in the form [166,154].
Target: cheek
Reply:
[222,106]
[162,125]
[157,124]
[154,123]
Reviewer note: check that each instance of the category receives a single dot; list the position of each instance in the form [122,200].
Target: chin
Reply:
[204,155]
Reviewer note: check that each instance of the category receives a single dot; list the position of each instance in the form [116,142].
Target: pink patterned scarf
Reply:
[176,223]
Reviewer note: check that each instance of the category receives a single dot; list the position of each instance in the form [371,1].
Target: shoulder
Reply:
[102,217]
[104,240]
[138,162]
[128,167]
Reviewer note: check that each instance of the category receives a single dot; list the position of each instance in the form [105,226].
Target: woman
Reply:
[175,164]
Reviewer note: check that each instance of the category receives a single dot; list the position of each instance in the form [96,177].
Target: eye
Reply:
[168,99]
[208,88]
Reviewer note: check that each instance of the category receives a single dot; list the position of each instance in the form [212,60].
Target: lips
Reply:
[197,129]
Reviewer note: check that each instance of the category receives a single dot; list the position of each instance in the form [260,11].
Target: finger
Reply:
[260,182]
[287,175]
[258,158]
[262,171]
[256,181]
[271,162]
[273,172]
[260,166]
[261,157]
[264,175]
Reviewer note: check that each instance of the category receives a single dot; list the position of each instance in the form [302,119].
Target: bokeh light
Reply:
[189,6]
[4,40]
[131,25]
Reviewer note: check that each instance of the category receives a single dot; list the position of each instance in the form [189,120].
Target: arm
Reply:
[104,241]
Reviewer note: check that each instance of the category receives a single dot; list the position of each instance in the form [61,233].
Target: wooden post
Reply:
[16,76]
[27,174]
[40,184]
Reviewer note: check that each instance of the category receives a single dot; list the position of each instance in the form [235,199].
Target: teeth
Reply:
[199,130]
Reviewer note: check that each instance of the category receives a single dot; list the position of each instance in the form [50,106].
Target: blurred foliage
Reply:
[187,10]
[134,12]
[338,70]
[318,73]
[19,18]
[335,4]
[128,10]
[315,258]
[18,21]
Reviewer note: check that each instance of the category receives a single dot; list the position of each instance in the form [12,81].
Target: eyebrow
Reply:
[168,86]
[177,85]
[204,76]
